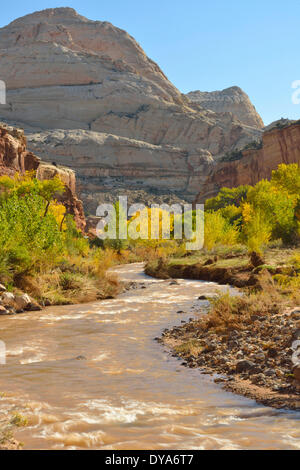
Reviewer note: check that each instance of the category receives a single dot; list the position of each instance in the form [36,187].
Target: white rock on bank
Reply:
[22,301]
[8,299]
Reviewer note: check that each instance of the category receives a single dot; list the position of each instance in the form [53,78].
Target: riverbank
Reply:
[227,266]
[66,290]
[11,304]
[247,340]
[10,444]
[255,362]
[8,425]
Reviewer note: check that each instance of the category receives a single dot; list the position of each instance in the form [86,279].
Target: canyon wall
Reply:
[279,145]
[89,97]
[106,163]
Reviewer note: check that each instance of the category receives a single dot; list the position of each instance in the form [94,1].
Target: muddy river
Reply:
[92,376]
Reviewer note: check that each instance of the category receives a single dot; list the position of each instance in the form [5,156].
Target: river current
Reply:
[92,376]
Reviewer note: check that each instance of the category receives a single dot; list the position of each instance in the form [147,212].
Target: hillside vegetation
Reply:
[42,252]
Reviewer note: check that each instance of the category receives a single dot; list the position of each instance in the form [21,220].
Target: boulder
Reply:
[33,306]
[244,366]
[296,335]
[295,314]
[8,299]
[22,302]
[207,296]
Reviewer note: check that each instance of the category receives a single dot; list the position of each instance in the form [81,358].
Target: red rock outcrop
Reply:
[278,146]
[14,157]
[13,153]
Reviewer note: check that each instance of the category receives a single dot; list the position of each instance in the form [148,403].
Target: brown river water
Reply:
[128,392]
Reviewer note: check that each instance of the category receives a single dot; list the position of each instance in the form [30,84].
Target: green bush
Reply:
[26,235]
[265,213]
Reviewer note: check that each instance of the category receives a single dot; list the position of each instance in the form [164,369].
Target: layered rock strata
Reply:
[279,145]
[93,100]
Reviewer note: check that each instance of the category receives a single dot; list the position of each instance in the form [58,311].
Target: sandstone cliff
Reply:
[233,100]
[279,145]
[14,157]
[105,162]
[92,99]
[13,153]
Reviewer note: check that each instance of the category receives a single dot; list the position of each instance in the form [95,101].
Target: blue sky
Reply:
[208,45]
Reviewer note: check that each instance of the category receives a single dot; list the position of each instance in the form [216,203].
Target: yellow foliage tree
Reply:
[59,212]
[218,230]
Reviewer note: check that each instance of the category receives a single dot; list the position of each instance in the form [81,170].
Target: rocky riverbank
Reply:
[10,444]
[11,304]
[254,360]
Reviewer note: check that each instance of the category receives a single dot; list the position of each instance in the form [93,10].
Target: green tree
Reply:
[227,197]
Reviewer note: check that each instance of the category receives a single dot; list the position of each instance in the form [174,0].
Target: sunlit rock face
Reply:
[233,100]
[90,98]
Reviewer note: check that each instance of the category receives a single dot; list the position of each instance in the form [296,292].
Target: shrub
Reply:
[227,197]
[27,235]
[218,230]
[42,252]
[256,230]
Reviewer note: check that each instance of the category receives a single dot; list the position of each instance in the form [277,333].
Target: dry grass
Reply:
[157,268]
[77,279]
[7,427]
[191,347]
[236,312]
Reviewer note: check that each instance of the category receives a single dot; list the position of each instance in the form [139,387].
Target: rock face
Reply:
[232,100]
[93,99]
[104,162]
[279,145]
[14,157]
[13,153]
